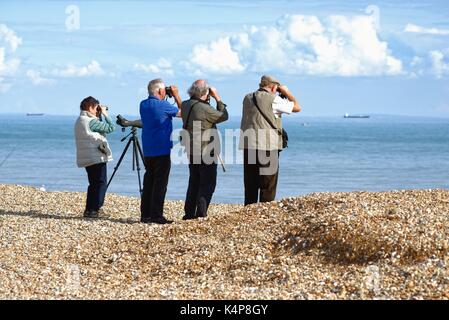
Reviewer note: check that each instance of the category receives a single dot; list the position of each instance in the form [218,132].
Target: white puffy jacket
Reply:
[88,143]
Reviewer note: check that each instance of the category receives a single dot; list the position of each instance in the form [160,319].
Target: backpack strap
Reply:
[188,115]
[265,116]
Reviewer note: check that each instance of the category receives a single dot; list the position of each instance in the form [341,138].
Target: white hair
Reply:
[198,89]
[155,85]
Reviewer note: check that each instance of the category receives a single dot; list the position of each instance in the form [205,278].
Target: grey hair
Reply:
[155,85]
[198,89]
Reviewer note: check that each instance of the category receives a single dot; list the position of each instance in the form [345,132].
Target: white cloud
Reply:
[151,68]
[37,79]
[413,28]
[416,61]
[440,63]
[216,57]
[41,77]
[435,63]
[9,37]
[73,71]
[9,42]
[336,46]
[417,67]
[162,66]
[8,66]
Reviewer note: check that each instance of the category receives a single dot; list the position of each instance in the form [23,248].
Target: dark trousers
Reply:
[97,175]
[202,182]
[260,186]
[155,181]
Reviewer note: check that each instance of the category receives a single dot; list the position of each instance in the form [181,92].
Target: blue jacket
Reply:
[157,116]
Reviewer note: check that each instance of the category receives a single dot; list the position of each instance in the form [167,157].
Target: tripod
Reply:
[137,151]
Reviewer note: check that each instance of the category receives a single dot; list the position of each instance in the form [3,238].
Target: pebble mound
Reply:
[360,245]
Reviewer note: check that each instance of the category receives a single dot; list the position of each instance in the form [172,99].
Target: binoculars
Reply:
[169,92]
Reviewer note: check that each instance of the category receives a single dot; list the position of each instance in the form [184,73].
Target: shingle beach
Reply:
[358,245]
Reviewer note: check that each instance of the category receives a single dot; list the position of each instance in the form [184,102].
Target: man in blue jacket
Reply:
[157,115]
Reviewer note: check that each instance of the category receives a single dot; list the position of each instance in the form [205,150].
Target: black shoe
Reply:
[160,220]
[188,217]
[91,214]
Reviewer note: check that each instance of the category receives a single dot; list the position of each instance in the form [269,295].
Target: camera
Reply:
[124,123]
[169,92]
[121,121]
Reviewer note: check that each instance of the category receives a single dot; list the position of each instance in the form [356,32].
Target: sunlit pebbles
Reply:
[391,245]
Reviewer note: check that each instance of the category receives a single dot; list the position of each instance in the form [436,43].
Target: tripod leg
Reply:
[139,148]
[119,162]
[134,153]
[136,147]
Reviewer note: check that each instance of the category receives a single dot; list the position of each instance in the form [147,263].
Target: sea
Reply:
[325,154]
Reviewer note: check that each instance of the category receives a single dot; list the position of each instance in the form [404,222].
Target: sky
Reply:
[364,57]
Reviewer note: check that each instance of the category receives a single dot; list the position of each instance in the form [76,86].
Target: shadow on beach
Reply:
[37,215]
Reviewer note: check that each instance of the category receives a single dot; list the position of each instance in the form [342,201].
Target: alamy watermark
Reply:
[73,282]
[374,12]
[204,146]
[371,285]
[72,21]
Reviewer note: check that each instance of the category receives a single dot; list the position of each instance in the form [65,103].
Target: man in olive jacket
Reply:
[261,138]
[202,143]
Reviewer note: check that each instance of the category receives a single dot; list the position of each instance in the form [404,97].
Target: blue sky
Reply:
[376,57]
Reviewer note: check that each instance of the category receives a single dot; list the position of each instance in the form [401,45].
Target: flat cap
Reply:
[267,80]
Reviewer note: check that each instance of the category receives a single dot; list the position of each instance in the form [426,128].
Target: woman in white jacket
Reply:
[93,152]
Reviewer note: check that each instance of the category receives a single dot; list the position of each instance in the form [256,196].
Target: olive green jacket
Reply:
[204,118]
[256,132]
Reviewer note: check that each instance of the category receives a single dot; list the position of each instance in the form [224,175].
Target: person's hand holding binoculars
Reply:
[285,93]
[283,90]
[174,90]
[214,94]
[103,110]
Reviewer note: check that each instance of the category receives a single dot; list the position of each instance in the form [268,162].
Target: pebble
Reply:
[319,246]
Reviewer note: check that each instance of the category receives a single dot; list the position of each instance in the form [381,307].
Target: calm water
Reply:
[330,154]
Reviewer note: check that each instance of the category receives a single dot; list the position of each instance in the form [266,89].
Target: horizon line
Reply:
[234,116]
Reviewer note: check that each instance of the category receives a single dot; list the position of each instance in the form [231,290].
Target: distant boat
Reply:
[306,124]
[355,116]
[35,114]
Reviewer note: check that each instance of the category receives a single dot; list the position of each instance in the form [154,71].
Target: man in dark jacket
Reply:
[201,140]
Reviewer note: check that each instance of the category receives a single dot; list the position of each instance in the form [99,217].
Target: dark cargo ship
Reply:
[356,116]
